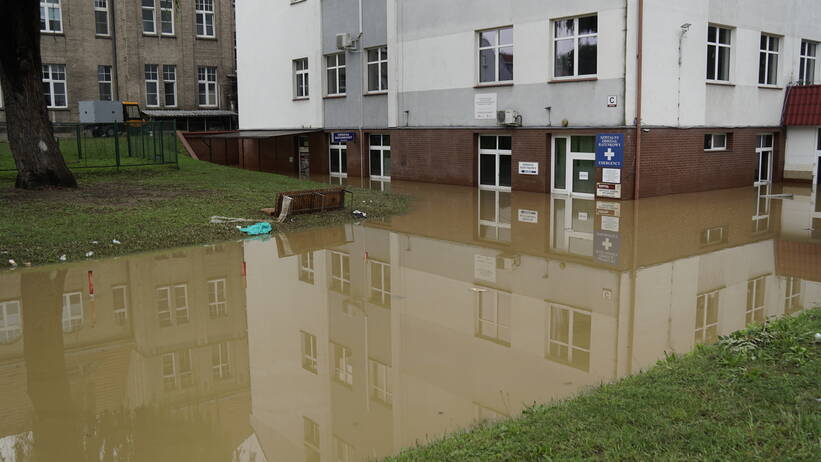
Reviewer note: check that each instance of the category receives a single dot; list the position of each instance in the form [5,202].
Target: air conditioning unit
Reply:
[344,41]
[509,117]
[508,262]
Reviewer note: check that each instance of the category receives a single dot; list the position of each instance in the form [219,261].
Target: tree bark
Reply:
[31,137]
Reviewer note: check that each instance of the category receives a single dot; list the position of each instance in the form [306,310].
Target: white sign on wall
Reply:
[528,216]
[610,224]
[484,268]
[583,176]
[612,101]
[611,175]
[484,106]
[528,168]
[612,191]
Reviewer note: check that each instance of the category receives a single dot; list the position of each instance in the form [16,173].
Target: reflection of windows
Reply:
[340,272]
[496,55]
[715,235]
[761,218]
[310,436]
[217,306]
[381,389]
[72,311]
[220,361]
[792,298]
[309,355]
[494,215]
[343,365]
[177,370]
[707,317]
[575,43]
[343,452]
[493,315]
[756,291]
[568,336]
[306,267]
[572,225]
[380,283]
[10,321]
[120,304]
[172,304]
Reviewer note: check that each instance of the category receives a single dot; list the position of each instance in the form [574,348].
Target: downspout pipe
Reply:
[115,84]
[639,59]
[361,104]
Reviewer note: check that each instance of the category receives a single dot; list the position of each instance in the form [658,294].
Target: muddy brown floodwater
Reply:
[352,342]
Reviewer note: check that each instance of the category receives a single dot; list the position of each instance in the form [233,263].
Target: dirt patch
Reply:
[100,194]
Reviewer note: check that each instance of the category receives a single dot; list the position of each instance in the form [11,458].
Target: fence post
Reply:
[117,144]
[176,143]
[78,133]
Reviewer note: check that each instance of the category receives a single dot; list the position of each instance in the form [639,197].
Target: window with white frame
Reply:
[309,352]
[338,158]
[205,18]
[807,62]
[167,17]
[715,142]
[306,267]
[149,18]
[756,293]
[381,388]
[719,47]
[340,272]
[310,437]
[172,305]
[761,218]
[217,305]
[575,47]
[335,66]
[72,311]
[301,89]
[51,16]
[495,55]
[177,370]
[792,295]
[220,361]
[343,364]
[495,215]
[768,60]
[152,85]
[207,86]
[101,17]
[492,315]
[343,451]
[377,69]
[379,148]
[11,321]
[380,283]
[568,336]
[1,98]
[104,82]
[714,235]
[54,85]
[706,330]
[169,84]
[119,305]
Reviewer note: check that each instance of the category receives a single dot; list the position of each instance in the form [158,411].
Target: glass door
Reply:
[764,160]
[338,160]
[380,154]
[574,169]
[304,157]
[495,162]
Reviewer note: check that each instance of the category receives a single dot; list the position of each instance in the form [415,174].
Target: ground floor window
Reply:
[792,295]
[764,159]
[380,154]
[707,317]
[495,162]
[574,170]
[756,291]
[338,159]
[572,225]
[492,315]
[761,219]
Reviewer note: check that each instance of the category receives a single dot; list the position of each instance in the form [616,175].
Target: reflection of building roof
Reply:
[803,105]
[798,259]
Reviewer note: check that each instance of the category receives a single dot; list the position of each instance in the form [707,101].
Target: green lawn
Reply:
[148,208]
[754,396]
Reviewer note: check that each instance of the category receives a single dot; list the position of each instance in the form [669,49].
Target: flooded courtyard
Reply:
[352,342]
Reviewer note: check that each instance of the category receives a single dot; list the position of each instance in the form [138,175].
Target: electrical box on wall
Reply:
[509,118]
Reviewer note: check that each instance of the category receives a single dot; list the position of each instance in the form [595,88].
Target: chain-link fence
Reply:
[110,145]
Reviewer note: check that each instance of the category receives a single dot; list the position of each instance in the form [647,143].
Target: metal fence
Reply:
[111,145]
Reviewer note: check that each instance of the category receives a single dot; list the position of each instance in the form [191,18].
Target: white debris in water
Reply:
[12,262]
[818,337]
[89,253]
[115,241]
[42,145]
[63,257]
[95,242]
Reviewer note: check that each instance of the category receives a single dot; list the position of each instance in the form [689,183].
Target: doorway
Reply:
[764,160]
[338,159]
[304,156]
[574,166]
[495,162]
[380,157]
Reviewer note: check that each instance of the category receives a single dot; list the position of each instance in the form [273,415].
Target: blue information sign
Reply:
[610,150]
[342,137]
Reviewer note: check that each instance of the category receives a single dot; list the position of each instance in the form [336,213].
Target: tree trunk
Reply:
[31,137]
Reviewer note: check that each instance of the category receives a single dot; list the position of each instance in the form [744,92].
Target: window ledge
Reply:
[102,36]
[493,84]
[770,87]
[335,96]
[574,79]
[60,109]
[719,83]
[717,150]
[208,107]
[53,34]
[173,36]
[206,37]
[301,98]
[375,93]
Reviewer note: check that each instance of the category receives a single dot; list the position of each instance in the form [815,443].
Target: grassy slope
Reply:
[717,403]
[149,208]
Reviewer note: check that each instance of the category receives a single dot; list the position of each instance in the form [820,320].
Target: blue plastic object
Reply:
[257,228]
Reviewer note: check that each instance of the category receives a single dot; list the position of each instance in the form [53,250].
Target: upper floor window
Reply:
[719,45]
[378,69]
[54,85]
[343,364]
[569,336]
[177,371]
[104,82]
[119,294]
[806,66]
[101,17]
[768,60]
[169,83]
[51,16]
[11,321]
[220,361]
[167,17]
[207,86]
[306,267]
[309,352]
[336,74]
[496,55]
[205,18]
[301,78]
[575,46]
[492,315]
[149,20]
[152,85]
[217,305]
[381,389]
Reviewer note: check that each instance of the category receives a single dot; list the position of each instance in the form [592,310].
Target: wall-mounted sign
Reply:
[528,216]
[612,101]
[583,216]
[610,224]
[484,106]
[606,247]
[342,137]
[484,268]
[612,209]
[611,175]
[528,168]
[610,150]
[584,176]
[612,191]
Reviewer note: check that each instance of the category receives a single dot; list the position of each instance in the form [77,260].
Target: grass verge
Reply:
[151,208]
[752,396]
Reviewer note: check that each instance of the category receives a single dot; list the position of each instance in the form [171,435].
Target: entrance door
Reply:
[304,157]
[338,161]
[495,162]
[764,160]
[574,165]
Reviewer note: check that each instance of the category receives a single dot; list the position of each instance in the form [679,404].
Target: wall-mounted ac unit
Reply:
[508,261]
[509,117]
[344,41]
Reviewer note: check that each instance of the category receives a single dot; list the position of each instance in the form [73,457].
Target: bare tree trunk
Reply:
[31,137]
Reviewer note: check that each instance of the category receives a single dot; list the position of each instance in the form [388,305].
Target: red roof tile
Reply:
[803,105]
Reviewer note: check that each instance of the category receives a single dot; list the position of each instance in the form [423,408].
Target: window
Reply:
[152,85]
[568,336]
[806,67]
[205,18]
[575,45]
[494,216]
[715,142]
[343,451]
[792,298]
[149,25]
[341,273]
[51,16]
[104,82]
[1,98]
[338,154]
[380,283]
[306,267]
[169,84]
[495,162]
[496,55]
[172,300]
[207,86]
[714,235]
[119,295]
[72,311]
[54,85]
[761,218]
[380,154]
[343,366]
[217,307]
[768,60]
[309,356]
[301,78]
[11,322]
[177,371]
[310,436]
[167,17]
[719,46]
[101,17]
[492,315]
[336,74]
[378,69]
[220,365]
[756,291]
[381,389]
[707,317]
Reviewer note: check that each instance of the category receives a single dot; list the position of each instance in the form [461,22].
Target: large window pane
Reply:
[504,170]
[563,64]
[587,55]
[505,63]
[487,169]
[560,163]
[487,66]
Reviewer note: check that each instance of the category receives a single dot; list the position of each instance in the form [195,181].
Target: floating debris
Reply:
[89,253]
[95,242]
[359,214]
[12,262]
[63,257]
[116,242]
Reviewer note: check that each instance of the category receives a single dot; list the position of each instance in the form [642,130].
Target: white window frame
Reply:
[576,37]
[755,287]
[167,6]
[713,144]
[713,236]
[144,8]
[381,64]
[169,79]
[338,280]
[380,381]
[808,61]
[570,156]
[380,293]
[488,315]
[217,298]
[177,377]
[306,268]
[311,435]
[151,73]
[570,346]
[498,152]
[343,163]
[768,51]
[792,295]
[101,6]
[496,47]
[10,330]
[52,81]
[379,150]
[207,81]
[180,313]
[702,324]
[761,219]
[342,365]
[72,322]
[301,77]
[104,80]
[501,228]
[204,9]
[309,348]
[221,369]
[120,313]
[1,98]
[719,45]
[343,451]
[47,7]
[336,73]
[761,150]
